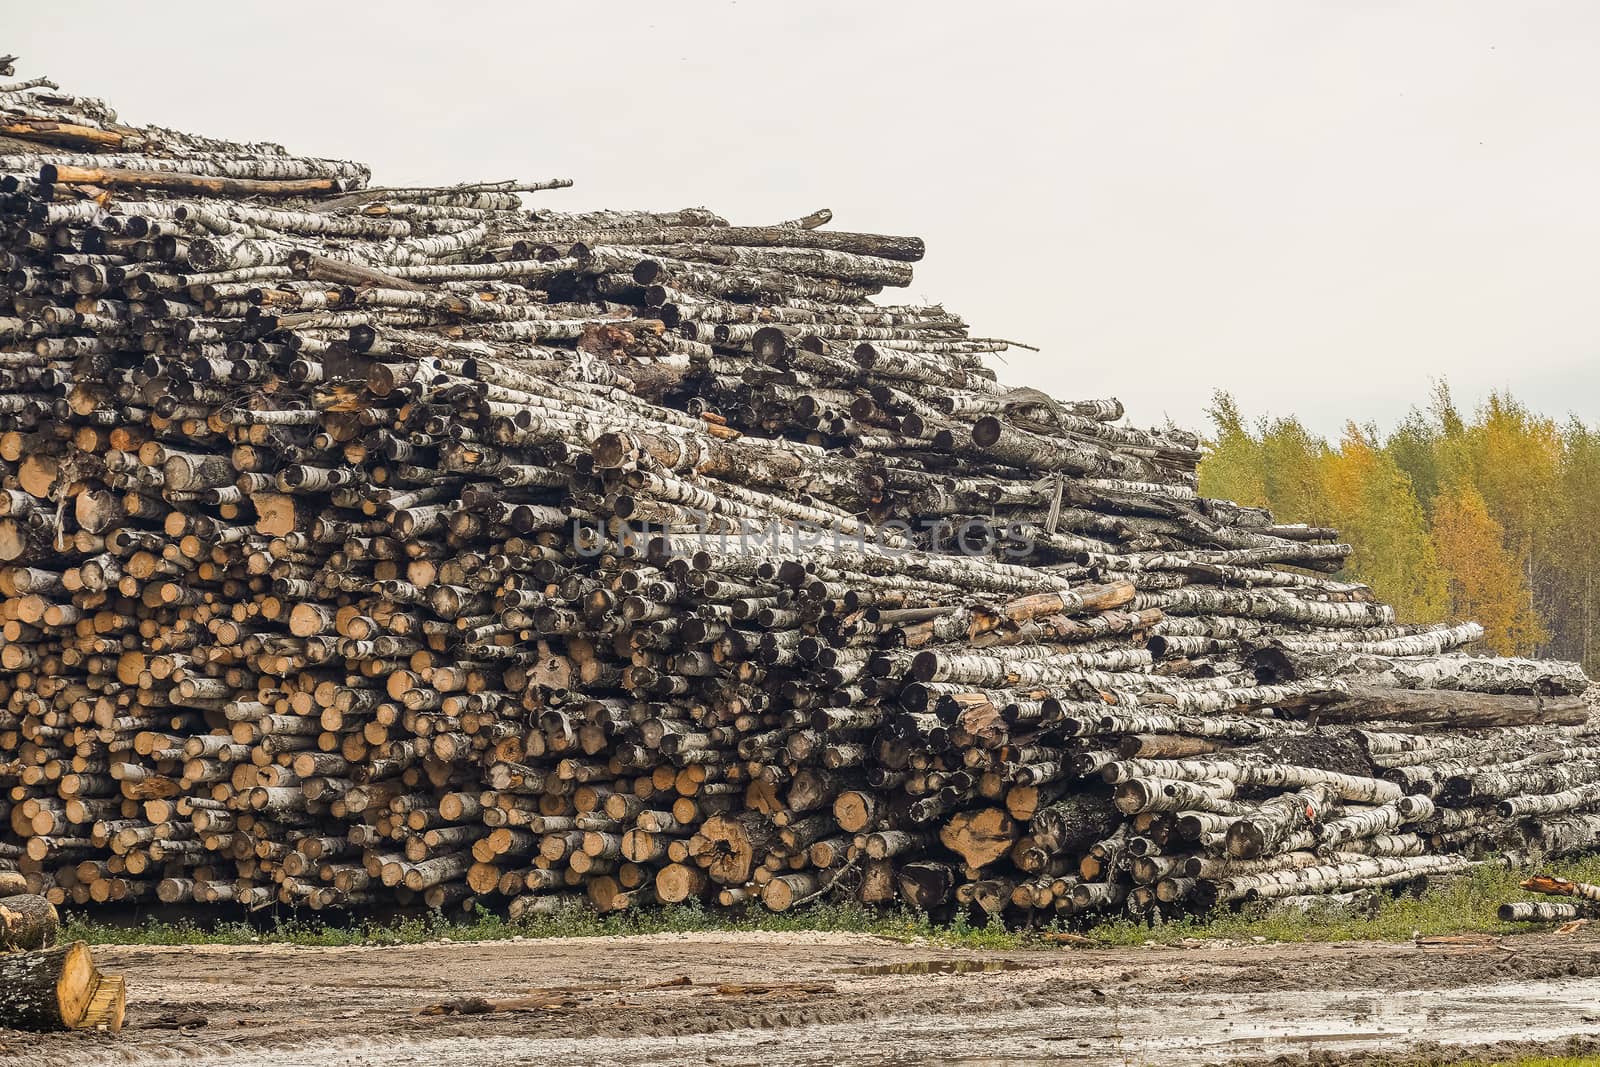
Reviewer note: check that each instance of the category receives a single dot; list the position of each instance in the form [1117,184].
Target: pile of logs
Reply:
[367,544]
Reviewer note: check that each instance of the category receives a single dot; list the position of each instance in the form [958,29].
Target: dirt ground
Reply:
[834,998]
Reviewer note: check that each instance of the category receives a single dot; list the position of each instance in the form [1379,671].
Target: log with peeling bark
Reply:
[1562,887]
[365,545]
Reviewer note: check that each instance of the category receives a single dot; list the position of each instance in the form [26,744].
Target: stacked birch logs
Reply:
[366,544]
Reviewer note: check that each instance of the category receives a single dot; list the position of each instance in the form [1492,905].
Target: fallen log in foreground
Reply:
[364,545]
[58,989]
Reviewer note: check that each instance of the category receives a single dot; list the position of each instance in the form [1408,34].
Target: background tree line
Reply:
[1489,516]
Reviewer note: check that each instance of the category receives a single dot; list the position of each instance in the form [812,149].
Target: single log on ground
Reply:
[58,989]
[1543,911]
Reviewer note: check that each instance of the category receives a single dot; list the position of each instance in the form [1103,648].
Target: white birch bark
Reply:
[1336,877]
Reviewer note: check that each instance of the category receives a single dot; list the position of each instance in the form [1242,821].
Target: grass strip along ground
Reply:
[1467,905]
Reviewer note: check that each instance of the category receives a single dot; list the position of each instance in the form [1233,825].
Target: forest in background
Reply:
[1488,516]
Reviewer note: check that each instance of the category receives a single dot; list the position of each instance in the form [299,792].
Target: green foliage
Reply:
[577,920]
[1572,607]
[1358,487]
[1414,446]
[1293,470]
[1515,457]
[1233,468]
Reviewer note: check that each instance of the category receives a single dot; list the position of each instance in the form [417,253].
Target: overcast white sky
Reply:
[1317,206]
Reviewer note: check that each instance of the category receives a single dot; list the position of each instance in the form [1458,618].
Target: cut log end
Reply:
[58,989]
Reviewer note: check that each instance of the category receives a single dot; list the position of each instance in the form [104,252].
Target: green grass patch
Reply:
[574,921]
[1467,905]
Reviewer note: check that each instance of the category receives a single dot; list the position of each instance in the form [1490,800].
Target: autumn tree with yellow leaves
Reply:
[1484,580]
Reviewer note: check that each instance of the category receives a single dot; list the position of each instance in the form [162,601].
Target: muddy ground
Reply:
[834,998]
